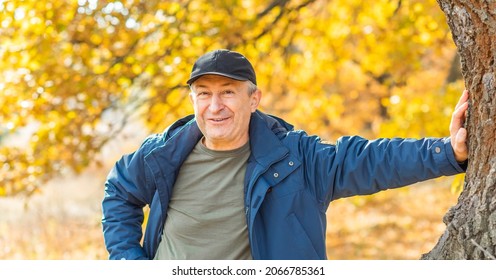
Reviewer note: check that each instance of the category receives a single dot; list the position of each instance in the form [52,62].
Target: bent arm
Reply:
[122,206]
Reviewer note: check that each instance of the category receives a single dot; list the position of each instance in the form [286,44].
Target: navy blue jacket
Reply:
[291,178]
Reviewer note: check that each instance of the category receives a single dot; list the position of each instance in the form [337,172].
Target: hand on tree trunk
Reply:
[458,133]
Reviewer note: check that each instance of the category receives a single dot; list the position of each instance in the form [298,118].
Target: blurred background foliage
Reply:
[81,77]
[74,73]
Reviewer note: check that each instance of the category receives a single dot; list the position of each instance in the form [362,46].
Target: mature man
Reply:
[232,182]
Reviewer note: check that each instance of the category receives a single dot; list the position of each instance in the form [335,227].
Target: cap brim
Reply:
[234,77]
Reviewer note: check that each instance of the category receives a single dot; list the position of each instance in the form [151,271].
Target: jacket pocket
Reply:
[302,244]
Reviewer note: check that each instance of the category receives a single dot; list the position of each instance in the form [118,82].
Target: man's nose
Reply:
[216,103]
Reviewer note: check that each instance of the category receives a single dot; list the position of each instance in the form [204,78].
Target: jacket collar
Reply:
[265,143]
[265,133]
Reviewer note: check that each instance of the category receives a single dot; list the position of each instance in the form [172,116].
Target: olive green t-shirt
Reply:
[206,218]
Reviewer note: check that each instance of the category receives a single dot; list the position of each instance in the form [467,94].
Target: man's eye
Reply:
[228,92]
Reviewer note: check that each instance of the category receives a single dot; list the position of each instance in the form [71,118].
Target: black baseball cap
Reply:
[224,63]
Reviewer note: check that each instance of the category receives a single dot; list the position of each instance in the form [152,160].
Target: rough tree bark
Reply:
[471,224]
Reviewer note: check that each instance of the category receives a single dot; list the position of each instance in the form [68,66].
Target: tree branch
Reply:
[275,3]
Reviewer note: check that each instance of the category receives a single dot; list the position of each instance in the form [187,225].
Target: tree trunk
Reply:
[471,224]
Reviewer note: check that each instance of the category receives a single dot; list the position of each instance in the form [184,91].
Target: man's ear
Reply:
[191,96]
[255,100]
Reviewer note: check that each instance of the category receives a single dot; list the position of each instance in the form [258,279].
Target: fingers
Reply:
[457,132]
[460,146]
[458,118]
[463,99]
[459,115]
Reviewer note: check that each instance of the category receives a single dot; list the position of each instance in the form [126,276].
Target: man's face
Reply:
[223,108]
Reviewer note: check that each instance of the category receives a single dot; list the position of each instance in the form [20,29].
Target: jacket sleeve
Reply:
[126,194]
[356,166]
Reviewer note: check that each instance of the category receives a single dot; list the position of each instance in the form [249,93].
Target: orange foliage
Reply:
[74,73]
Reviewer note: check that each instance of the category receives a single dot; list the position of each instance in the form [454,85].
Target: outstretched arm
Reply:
[458,133]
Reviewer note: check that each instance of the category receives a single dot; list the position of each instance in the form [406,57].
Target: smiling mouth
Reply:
[219,119]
